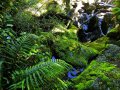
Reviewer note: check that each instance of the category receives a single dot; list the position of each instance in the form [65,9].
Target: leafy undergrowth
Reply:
[38,76]
[37,52]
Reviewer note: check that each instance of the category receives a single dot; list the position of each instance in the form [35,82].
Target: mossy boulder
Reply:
[61,30]
[111,55]
[98,76]
[102,73]
[72,51]
[99,44]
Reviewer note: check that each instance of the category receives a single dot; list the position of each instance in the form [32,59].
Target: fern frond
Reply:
[40,75]
[18,50]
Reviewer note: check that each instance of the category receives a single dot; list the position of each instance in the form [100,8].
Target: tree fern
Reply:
[40,75]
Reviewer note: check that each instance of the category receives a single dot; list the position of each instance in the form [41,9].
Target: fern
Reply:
[40,75]
[17,51]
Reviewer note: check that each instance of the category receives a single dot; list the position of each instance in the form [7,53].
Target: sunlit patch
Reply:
[36,10]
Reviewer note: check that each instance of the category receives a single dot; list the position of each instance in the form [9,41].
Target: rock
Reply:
[115,33]
[98,76]
[99,44]
[72,51]
[111,55]
[102,74]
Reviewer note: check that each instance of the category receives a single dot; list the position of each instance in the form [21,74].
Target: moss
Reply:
[72,51]
[114,33]
[111,55]
[95,73]
[100,44]
[71,33]
[81,86]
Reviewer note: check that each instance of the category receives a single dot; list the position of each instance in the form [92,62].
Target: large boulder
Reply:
[111,55]
[102,74]
[72,51]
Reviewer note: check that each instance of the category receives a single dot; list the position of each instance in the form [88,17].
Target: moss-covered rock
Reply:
[115,33]
[111,54]
[103,73]
[100,44]
[72,51]
[98,76]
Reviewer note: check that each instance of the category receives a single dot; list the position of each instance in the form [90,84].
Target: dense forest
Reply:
[59,45]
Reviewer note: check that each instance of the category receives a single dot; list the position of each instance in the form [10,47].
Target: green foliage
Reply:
[67,4]
[39,75]
[1,72]
[6,4]
[25,58]
[6,36]
[17,51]
[51,19]
[6,21]
[116,9]
[25,22]
[53,6]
